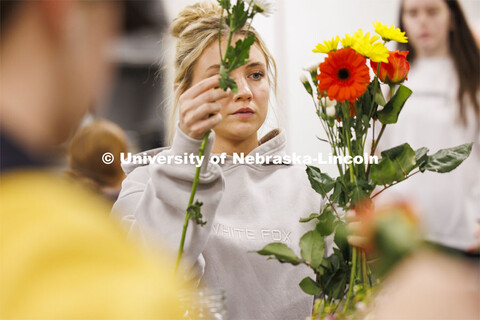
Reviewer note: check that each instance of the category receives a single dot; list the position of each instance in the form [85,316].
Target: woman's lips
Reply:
[244,113]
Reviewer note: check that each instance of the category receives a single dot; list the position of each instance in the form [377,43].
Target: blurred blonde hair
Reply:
[87,148]
[196,27]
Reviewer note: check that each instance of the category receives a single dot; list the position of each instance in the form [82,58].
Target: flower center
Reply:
[343,74]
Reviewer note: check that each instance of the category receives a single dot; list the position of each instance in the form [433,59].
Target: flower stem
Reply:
[352,279]
[364,268]
[190,201]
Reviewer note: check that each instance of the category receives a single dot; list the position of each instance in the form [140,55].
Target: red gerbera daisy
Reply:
[344,75]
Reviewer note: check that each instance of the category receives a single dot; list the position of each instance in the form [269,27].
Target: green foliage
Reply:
[340,239]
[389,114]
[445,160]
[281,252]
[320,182]
[326,222]
[225,4]
[194,213]
[395,165]
[334,275]
[238,17]
[312,247]
[235,57]
[421,156]
[377,93]
[310,287]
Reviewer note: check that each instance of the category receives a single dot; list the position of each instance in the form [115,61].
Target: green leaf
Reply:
[310,217]
[358,194]
[378,94]
[338,195]
[240,53]
[340,239]
[320,182]
[404,159]
[395,165]
[383,173]
[238,17]
[194,213]
[421,156]
[281,252]
[309,286]
[308,87]
[312,247]
[336,284]
[225,4]
[325,224]
[389,114]
[445,160]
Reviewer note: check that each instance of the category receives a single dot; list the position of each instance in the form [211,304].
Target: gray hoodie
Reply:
[246,206]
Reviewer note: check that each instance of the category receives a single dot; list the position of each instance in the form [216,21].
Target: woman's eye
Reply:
[256,75]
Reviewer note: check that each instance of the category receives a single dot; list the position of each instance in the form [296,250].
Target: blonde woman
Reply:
[246,206]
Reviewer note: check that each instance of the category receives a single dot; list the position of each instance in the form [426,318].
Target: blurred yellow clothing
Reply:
[62,257]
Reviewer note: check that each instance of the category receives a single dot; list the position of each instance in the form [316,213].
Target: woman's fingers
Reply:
[198,104]
[199,129]
[355,227]
[201,113]
[357,241]
[204,98]
[200,87]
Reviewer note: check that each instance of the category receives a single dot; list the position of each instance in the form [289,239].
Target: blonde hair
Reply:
[196,27]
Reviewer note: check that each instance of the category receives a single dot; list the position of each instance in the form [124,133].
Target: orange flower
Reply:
[396,70]
[344,75]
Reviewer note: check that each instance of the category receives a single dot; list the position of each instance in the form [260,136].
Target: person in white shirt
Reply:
[442,112]
[246,206]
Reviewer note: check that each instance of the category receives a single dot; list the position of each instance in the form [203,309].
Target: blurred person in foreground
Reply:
[443,111]
[61,257]
[88,145]
[420,280]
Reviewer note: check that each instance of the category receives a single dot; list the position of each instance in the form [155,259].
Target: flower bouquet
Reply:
[350,106]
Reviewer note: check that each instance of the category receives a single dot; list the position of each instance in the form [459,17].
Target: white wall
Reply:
[291,34]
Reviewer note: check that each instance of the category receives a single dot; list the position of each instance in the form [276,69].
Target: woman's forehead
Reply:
[211,56]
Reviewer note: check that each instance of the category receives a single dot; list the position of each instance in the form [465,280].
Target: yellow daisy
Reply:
[348,41]
[378,53]
[365,38]
[327,46]
[367,47]
[391,33]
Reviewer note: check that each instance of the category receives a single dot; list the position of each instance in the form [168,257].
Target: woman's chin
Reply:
[238,131]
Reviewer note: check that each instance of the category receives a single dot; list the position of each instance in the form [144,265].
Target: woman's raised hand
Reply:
[199,107]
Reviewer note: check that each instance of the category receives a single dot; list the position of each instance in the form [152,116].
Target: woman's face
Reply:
[427,23]
[244,112]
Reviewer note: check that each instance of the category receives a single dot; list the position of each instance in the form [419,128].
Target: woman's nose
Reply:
[244,92]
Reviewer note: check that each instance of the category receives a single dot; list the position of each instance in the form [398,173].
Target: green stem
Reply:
[352,279]
[220,35]
[190,201]
[364,268]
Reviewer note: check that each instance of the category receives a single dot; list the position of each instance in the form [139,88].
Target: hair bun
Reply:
[193,13]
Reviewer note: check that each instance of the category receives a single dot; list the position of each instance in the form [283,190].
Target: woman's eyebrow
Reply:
[213,67]
[216,67]
[256,64]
